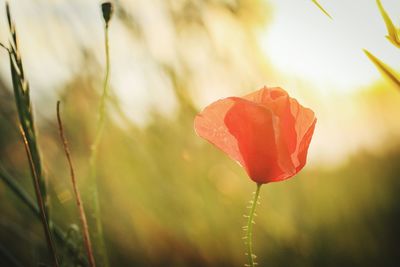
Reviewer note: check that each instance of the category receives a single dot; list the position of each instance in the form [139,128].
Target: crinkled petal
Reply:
[266,131]
[254,128]
[278,101]
[303,147]
[304,125]
[210,125]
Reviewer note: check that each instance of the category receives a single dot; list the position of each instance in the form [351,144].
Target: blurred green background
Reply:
[169,198]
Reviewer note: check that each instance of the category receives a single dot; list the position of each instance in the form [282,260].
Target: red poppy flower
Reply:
[267,132]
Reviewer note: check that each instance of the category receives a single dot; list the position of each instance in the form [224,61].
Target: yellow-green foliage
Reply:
[170,199]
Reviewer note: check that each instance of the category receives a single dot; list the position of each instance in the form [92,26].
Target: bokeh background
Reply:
[169,198]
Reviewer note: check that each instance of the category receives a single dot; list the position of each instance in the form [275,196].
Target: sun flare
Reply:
[302,42]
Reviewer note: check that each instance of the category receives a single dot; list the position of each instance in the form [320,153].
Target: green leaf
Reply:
[386,71]
[393,33]
[23,104]
[321,8]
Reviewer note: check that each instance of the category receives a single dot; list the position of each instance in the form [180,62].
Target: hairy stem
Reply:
[249,228]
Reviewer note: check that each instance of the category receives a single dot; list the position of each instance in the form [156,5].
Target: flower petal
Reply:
[303,147]
[254,128]
[304,125]
[278,100]
[210,125]
[267,132]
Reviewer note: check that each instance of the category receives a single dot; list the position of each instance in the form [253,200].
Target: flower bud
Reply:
[107,9]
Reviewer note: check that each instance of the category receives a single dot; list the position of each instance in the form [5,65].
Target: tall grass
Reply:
[82,214]
[393,35]
[107,10]
[43,217]
[28,132]
[170,199]
[24,107]
[27,129]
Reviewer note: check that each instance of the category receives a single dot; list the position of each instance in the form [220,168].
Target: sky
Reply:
[303,42]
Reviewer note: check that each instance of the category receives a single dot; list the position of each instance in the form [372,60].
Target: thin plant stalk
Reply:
[82,215]
[27,125]
[249,228]
[46,228]
[9,257]
[15,187]
[104,96]
[107,13]
[27,200]
[24,106]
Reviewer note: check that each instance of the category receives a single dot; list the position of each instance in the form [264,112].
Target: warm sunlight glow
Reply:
[303,42]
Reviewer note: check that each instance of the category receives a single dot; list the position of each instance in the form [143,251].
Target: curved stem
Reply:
[104,95]
[249,228]
[93,157]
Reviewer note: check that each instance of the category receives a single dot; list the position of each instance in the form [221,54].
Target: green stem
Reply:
[249,227]
[24,106]
[93,157]
[103,98]
[27,200]
[9,257]
[22,194]
[46,227]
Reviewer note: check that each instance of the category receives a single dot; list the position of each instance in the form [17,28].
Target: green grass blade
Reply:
[321,8]
[9,257]
[24,107]
[393,32]
[19,191]
[40,201]
[59,234]
[386,71]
